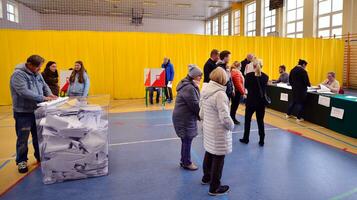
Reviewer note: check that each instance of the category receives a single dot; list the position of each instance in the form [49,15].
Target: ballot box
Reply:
[73,138]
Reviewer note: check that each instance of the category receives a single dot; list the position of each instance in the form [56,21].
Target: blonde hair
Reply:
[219,76]
[258,66]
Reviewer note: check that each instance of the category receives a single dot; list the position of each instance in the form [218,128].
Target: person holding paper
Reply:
[169,77]
[284,77]
[256,83]
[186,114]
[28,88]
[50,75]
[78,81]
[331,82]
[299,81]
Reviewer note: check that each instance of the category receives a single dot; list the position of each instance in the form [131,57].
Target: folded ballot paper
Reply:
[73,140]
[324,90]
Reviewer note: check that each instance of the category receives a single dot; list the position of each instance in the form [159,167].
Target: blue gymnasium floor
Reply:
[144,157]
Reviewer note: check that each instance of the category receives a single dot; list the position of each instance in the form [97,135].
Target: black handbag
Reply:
[264,96]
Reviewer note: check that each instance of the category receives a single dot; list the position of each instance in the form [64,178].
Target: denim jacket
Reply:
[79,89]
[27,89]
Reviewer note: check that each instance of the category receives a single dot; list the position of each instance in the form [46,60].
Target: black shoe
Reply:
[205,182]
[22,167]
[244,141]
[157,101]
[236,122]
[261,143]
[222,190]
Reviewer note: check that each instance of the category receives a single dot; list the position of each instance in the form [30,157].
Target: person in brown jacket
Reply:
[50,75]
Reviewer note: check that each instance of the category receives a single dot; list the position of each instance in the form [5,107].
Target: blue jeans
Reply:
[186,151]
[24,124]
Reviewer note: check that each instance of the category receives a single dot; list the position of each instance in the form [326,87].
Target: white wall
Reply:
[30,19]
[103,23]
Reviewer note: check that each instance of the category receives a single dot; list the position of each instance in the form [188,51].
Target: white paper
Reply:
[54,102]
[284,85]
[169,84]
[324,90]
[337,112]
[284,97]
[325,101]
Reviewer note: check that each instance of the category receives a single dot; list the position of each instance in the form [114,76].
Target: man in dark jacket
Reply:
[299,81]
[27,90]
[224,57]
[186,114]
[245,62]
[210,65]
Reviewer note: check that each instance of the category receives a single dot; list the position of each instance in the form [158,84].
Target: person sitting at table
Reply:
[151,94]
[331,82]
[284,77]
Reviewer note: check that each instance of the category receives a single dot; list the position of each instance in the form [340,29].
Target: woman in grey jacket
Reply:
[217,130]
[186,114]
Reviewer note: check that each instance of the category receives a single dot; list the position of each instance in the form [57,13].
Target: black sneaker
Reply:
[22,167]
[244,141]
[205,182]
[222,190]
[236,122]
[261,143]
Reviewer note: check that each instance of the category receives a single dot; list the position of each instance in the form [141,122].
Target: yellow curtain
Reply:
[115,61]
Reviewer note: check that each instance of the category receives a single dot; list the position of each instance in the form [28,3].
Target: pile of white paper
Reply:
[73,141]
[284,85]
[324,90]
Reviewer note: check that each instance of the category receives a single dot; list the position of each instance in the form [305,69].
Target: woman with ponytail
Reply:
[255,83]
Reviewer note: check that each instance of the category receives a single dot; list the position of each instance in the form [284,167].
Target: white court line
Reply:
[169,124]
[176,138]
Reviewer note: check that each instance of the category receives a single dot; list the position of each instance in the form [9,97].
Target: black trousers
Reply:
[212,170]
[151,94]
[25,123]
[168,93]
[235,104]
[300,109]
[259,113]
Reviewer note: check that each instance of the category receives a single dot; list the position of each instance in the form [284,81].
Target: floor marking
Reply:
[175,138]
[344,195]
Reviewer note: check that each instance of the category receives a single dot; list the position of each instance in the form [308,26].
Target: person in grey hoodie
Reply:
[28,88]
[186,113]
[217,130]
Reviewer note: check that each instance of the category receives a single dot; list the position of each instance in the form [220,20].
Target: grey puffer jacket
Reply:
[27,89]
[217,123]
[186,111]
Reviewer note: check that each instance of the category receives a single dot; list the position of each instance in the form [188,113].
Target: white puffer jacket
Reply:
[217,123]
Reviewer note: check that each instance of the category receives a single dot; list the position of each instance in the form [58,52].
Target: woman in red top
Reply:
[238,81]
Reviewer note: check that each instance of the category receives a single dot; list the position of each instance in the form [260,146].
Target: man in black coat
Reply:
[224,57]
[299,81]
[245,62]
[210,65]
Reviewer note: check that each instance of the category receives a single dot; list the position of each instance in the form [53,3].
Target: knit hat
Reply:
[194,71]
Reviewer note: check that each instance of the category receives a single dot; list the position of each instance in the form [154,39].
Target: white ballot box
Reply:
[73,138]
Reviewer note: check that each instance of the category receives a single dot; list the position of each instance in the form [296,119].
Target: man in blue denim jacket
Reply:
[28,88]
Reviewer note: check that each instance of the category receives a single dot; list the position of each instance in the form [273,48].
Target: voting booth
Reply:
[154,77]
[73,138]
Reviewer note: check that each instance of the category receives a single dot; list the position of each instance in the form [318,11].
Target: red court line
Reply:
[18,181]
[310,138]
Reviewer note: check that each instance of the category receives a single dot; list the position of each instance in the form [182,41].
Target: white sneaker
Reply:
[287,116]
[299,120]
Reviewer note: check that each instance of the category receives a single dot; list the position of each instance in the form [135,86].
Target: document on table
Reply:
[284,85]
[284,97]
[337,112]
[324,90]
[325,101]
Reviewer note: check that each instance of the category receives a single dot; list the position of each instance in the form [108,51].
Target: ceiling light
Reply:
[215,6]
[149,3]
[116,13]
[113,1]
[147,14]
[183,5]
[50,10]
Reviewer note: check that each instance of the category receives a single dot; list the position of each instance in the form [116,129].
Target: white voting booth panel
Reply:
[73,138]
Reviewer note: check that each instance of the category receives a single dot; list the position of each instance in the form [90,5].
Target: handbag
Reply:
[264,96]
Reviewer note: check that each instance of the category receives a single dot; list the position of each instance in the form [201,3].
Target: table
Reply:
[316,113]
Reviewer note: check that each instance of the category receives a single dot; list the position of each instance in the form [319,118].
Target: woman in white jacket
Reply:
[217,130]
